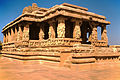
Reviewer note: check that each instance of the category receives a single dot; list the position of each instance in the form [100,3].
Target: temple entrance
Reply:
[68,29]
[34,32]
[85,32]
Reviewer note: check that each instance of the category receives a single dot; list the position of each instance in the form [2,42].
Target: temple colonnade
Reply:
[21,32]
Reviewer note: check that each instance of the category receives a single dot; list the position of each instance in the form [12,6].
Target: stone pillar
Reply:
[41,33]
[18,36]
[6,37]
[26,32]
[77,30]
[51,29]
[4,40]
[9,36]
[19,32]
[104,33]
[90,34]
[15,36]
[93,37]
[12,35]
[61,27]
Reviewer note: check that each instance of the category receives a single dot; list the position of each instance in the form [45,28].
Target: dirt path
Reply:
[15,70]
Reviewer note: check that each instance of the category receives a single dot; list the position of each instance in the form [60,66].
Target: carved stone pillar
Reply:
[77,30]
[26,32]
[104,33]
[6,37]
[18,36]
[41,33]
[61,27]
[51,29]
[12,35]
[20,32]
[15,36]
[93,37]
[9,36]
[4,40]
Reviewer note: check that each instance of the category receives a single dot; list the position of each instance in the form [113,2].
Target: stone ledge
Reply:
[57,59]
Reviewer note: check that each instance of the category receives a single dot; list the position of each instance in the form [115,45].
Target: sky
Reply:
[11,9]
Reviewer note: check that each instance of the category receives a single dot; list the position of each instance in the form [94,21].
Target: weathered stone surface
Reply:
[64,33]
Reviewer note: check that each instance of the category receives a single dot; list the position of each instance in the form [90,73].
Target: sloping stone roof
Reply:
[37,14]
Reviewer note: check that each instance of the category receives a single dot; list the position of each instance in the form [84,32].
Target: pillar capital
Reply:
[61,19]
[51,21]
[19,24]
[26,23]
[29,23]
[93,24]
[76,20]
[103,26]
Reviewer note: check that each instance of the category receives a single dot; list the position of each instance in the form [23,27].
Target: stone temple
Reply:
[65,34]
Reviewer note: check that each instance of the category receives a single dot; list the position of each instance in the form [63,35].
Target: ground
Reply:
[16,70]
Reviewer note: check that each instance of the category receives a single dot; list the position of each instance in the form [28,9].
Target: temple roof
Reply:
[37,14]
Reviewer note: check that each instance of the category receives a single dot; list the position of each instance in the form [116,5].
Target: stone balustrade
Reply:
[8,45]
[54,42]
[101,43]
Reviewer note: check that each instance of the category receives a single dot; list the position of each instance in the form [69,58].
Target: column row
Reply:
[16,33]
[60,29]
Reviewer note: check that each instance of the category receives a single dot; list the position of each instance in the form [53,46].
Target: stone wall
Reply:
[66,56]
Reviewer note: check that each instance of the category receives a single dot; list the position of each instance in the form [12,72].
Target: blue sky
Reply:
[11,9]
